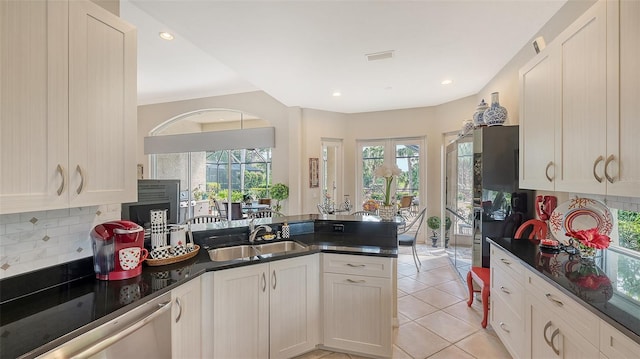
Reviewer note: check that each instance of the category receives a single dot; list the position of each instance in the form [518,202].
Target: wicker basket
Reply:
[164,261]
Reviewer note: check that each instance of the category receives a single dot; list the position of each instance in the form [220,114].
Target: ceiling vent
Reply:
[380,55]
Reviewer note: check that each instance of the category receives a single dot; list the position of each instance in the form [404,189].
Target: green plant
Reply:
[447,223]
[279,192]
[434,223]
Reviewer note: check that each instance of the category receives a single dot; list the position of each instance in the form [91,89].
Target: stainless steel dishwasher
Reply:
[143,332]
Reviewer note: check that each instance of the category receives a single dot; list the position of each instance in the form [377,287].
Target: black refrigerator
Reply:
[499,205]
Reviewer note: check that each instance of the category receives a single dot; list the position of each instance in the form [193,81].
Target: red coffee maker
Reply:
[114,244]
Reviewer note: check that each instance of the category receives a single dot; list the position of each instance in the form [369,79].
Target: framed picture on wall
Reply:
[314,180]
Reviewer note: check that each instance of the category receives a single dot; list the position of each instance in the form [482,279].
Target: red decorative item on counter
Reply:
[591,238]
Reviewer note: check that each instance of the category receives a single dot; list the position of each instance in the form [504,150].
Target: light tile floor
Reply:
[435,321]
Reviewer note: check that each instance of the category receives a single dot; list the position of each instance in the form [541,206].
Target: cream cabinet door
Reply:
[102,106]
[551,337]
[357,313]
[581,129]
[294,306]
[623,127]
[539,109]
[241,312]
[186,330]
[33,105]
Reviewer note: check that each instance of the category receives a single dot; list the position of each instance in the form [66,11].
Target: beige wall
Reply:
[299,131]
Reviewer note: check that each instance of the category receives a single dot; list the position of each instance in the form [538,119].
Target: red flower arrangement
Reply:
[591,238]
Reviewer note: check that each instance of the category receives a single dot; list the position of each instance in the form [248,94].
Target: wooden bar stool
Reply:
[482,276]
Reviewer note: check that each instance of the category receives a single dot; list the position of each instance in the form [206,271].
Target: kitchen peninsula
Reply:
[348,256]
[565,307]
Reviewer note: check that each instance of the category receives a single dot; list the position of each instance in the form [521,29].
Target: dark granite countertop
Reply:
[43,309]
[610,289]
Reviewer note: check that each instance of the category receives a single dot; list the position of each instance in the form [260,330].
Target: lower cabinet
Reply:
[615,345]
[555,325]
[358,304]
[507,295]
[268,310]
[553,337]
[186,320]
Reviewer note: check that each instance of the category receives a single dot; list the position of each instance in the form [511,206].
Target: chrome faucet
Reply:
[254,232]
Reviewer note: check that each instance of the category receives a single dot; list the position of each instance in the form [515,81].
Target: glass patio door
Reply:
[407,153]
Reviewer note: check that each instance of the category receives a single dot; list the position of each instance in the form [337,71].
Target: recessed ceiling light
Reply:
[446,82]
[337,94]
[166,36]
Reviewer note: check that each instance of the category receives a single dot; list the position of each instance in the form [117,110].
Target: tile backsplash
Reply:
[35,240]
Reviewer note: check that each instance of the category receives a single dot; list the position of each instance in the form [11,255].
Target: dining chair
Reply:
[362,213]
[265,213]
[321,209]
[538,229]
[404,208]
[407,239]
[205,218]
[266,201]
[221,208]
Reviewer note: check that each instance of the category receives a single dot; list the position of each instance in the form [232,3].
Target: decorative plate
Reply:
[579,214]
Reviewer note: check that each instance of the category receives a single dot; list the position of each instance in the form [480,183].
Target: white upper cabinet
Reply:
[584,91]
[67,106]
[580,131]
[622,163]
[539,104]
[102,106]
[33,105]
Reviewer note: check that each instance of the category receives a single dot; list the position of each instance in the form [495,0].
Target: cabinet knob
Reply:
[61,172]
[356,265]
[179,309]
[551,298]
[503,327]
[505,290]
[544,333]
[595,164]
[606,169]
[356,281]
[546,171]
[81,186]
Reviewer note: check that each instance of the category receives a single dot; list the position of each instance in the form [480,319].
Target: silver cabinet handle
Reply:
[503,327]
[505,290]
[61,172]
[356,281]
[546,171]
[555,333]
[505,261]
[606,169]
[551,298]
[179,309]
[544,333]
[107,342]
[264,282]
[275,280]
[356,265]
[595,164]
[81,186]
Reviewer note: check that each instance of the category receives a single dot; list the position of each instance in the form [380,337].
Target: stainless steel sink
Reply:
[248,251]
[278,247]
[231,253]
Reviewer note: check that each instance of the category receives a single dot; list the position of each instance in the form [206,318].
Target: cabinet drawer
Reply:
[510,292]
[508,325]
[615,344]
[506,262]
[583,321]
[357,265]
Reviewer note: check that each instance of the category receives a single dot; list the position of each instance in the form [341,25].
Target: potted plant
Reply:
[447,227]
[279,192]
[434,223]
